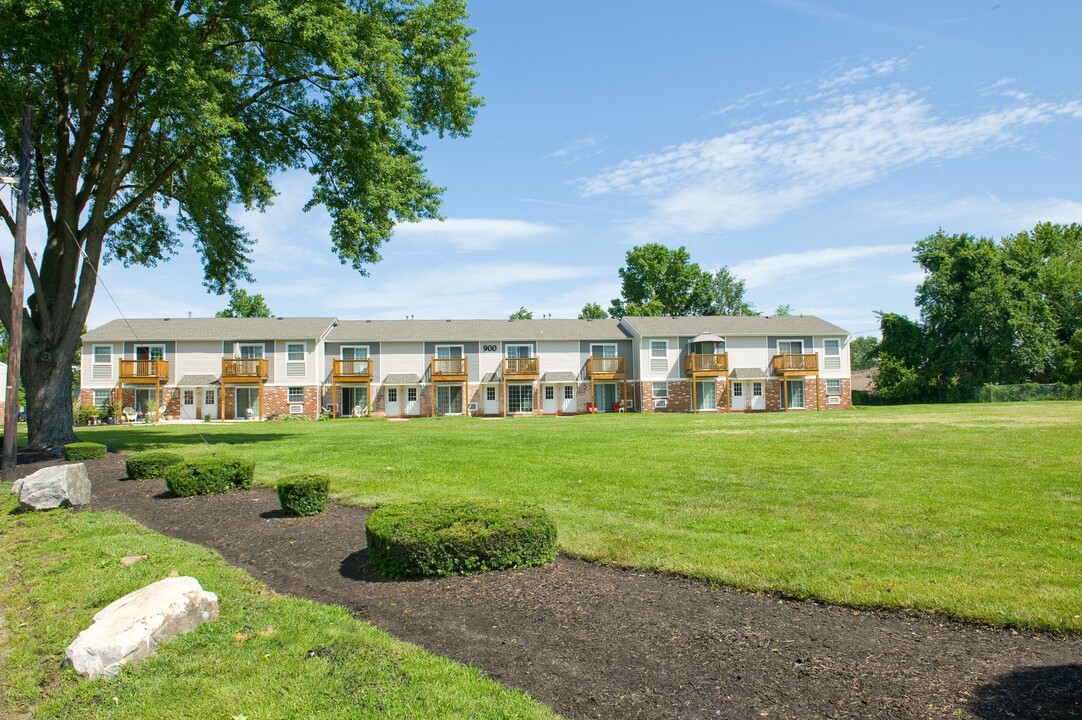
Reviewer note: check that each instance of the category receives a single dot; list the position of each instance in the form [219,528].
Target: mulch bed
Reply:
[595,641]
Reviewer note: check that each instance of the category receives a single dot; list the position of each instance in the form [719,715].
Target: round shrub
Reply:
[84,451]
[303,495]
[457,537]
[209,476]
[148,465]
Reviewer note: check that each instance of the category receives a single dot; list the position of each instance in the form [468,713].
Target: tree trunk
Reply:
[46,374]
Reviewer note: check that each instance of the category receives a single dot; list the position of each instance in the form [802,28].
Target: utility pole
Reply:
[15,340]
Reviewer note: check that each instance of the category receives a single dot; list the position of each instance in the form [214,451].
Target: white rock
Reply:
[133,627]
[53,487]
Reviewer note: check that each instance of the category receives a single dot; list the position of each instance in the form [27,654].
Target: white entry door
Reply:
[568,392]
[210,404]
[758,400]
[187,404]
[738,396]
[392,408]
[492,401]
[548,401]
[413,405]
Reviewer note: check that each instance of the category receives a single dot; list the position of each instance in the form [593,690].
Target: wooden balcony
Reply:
[144,371]
[605,368]
[706,365]
[346,371]
[450,369]
[796,364]
[521,368]
[246,370]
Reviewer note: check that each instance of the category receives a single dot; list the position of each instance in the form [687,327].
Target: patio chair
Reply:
[130,414]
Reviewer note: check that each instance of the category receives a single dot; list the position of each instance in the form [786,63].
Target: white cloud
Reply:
[850,76]
[579,149]
[909,278]
[471,234]
[776,268]
[976,214]
[753,176]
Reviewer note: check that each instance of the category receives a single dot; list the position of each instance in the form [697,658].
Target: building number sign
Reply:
[490,348]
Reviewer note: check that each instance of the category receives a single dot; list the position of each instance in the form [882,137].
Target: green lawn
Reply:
[972,510]
[266,657]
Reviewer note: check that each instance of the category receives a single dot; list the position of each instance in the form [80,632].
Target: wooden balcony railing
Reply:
[521,367]
[244,369]
[706,364]
[605,368]
[450,369]
[808,362]
[353,369]
[144,370]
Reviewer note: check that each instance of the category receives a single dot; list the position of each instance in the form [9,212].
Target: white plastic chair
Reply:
[129,414]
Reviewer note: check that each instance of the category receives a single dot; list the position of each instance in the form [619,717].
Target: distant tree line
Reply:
[1006,312]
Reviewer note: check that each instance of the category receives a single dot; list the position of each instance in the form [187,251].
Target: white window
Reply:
[490,393]
[447,352]
[738,389]
[103,362]
[660,390]
[189,397]
[757,389]
[834,387]
[569,392]
[354,352]
[101,397]
[519,398]
[606,350]
[832,351]
[208,397]
[790,347]
[150,352]
[296,394]
[295,365]
[251,352]
[550,392]
[659,356]
[392,395]
[411,394]
[519,351]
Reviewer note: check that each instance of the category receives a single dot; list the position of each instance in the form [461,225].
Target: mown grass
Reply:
[266,657]
[971,510]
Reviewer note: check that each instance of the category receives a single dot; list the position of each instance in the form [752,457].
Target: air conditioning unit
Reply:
[473,407]
[661,403]
[629,403]
[296,409]
[834,400]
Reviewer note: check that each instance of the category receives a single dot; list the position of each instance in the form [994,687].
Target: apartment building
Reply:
[230,368]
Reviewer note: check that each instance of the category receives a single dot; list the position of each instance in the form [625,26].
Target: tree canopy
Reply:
[243,305]
[1003,312]
[658,280]
[521,314]
[153,118]
[592,311]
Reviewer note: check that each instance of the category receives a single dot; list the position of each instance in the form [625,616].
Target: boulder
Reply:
[133,627]
[53,487]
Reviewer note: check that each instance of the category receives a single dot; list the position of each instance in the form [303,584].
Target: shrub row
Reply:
[149,465]
[209,476]
[303,495]
[84,451]
[458,537]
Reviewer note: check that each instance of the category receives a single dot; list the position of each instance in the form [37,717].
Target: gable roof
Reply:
[732,325]
[447,330]
[159,329]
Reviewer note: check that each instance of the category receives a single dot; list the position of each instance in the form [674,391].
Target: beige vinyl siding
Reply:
[404,357]
[489,361]
[748,352]
[199,357]
[559,356]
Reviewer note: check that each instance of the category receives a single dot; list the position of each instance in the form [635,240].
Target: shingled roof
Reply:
[733,325]
[448,330]
[159,329]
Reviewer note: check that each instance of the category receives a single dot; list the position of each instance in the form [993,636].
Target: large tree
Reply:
[243,305]
[592,311]
[658,280]
[983,315]
[728,294]
[153,117]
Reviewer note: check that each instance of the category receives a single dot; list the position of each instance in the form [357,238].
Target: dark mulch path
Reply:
[600,642]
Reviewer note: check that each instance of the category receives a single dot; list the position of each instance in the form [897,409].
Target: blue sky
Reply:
[806,145]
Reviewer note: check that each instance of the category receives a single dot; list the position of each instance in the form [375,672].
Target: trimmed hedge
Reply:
[209,476]
[458,537]
[148,465]
[84,451]
[303,495]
